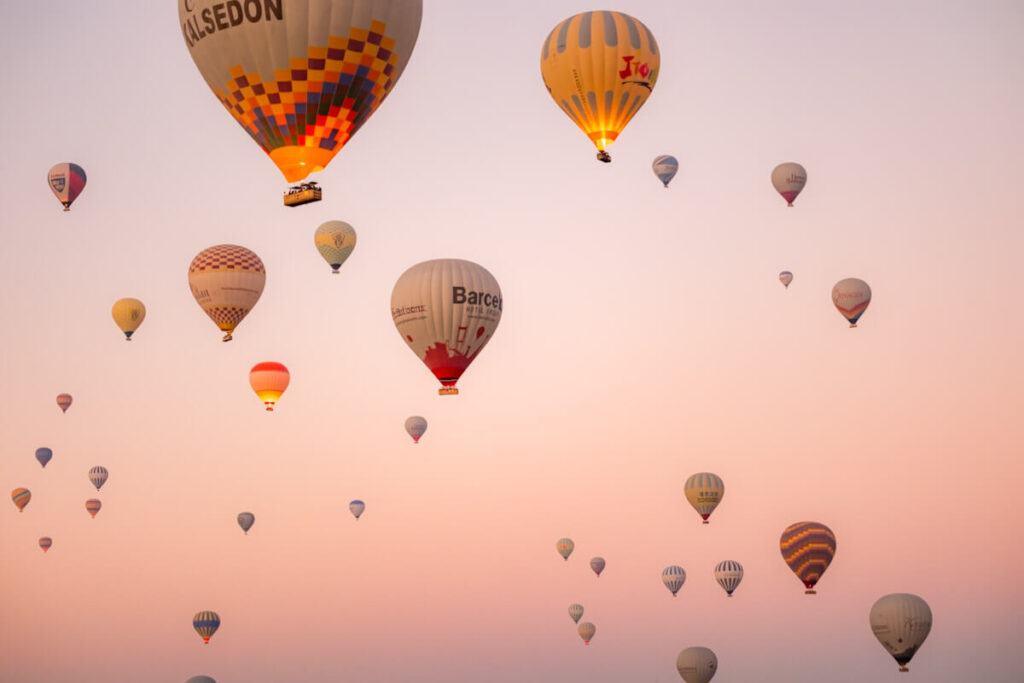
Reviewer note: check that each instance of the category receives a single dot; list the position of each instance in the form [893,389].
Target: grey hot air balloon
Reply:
[901,622]
[246,520]
[697,664]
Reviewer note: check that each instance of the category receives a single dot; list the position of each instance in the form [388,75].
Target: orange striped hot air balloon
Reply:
[808,549]
[269,380]
[21,497]
[64,401]
[93,506]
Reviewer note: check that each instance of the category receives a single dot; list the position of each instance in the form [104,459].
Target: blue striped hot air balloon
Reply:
[728,574]
[673,577]
[206,624]
[704,491]
[808,549]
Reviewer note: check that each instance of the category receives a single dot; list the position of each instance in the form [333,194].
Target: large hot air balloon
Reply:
[356,507]
[92,506]
[901,622]
[98,476]
[43,455]
[697,664]
[665,167]
[335,241]
[851,298]
[246,520]
[586,631]
[45,542]
[597,564]
[226,281]
[21,497]
[269,380]
[575,612]
[728,574]
[415,426]
[808,549]
[673,577]
[206,624]
[565,546]
[446,311]
[67,181]
[600,68]
[128,314]
[789,179]
[300,76]
[785,277]
[64,402]
[704,491]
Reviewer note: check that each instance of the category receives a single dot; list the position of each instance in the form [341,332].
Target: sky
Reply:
[644,337]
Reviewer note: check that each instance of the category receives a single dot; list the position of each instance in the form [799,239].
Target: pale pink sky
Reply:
[644,338]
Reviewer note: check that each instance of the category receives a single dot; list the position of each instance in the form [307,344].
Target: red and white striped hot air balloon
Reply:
[269,380]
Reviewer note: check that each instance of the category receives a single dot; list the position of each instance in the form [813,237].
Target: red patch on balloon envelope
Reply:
[447,364]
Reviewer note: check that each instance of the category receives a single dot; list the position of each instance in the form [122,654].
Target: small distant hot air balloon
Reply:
[586,631]
[128,314]
[226,281]
[597,564]
[246,520]
[446,311]
[697,664]
[704,490]
[200,679]
[808,549]
[21,497]
[98,476]
[789,179]
[92,506]
[565,546]
[575,612]
[335,241]
[43,455]
[415,426]
[851,298]
[728,574]
[45,542]
[785,277]
[901,622]
[206,624]
[673,577]
[67,181]
[356,507]
[600,68]
[269,380]
[665,167]
[64,401]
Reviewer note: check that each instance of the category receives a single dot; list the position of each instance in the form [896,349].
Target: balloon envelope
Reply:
[704,491]
[673,577]
[98,476]
[66,181]
[415,426]
[45,542]
[335,241]
[565,546]
[128,314]
[789,179]
[206,624]
[92,506]
[226,281]
[269,380]
[246,520]
[728,574]
[665,167]
[808,549]
[356,507]
[901,622]
[597,564]
[200,679]
[575,612]
[21,497]
[851,298]
[697,664]
[785,277]
[586,631]
[64,402]
[43,455]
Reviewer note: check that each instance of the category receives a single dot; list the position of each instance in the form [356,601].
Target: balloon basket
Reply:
[606,158]
[227,337]
[810,592]
[447,391]
[904,669]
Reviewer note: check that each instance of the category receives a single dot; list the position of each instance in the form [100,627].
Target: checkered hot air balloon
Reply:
[206,624]
[227,281]
[808,549]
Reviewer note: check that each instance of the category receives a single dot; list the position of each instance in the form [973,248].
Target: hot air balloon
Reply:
[356,507]
[21,497]
[45,542]
[704,491]
[600,68]
[446,311]
[697,664]
[665,167]
[575,612]
[206,624]
[43,455]
[269,380]
[246,520]
[226,281]
[98,476]
[789,179]
[901,622]
[728,574]
[200,679]
[67,181]
[785,277]
[301,77]
[597,564]
[415,426]
[128,314]
[335,241]
[673,577]
[92,506]
[586,631]
[808,549]
[64,401]
[851,298]
[565,546]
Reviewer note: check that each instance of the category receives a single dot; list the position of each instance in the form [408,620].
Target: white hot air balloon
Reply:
[415,426]
[665,167]
[356,507]
[785,277]
[98,476]
[673,577]
[851,298]
[789,179]
[575,612]
[901,622]
[728,574]
[586,631]
[697,664]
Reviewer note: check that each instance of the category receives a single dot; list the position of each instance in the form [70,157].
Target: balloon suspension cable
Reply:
[606,157]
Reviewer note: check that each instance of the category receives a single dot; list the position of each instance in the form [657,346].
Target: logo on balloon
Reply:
[57,182]
[641,69]
[225,15]
[459,296]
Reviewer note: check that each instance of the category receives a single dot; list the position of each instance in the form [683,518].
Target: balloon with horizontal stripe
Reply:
[785,277]
[673,576]
[697,664]
[600,68]
[64,402]
[789,179]
[446,311]
[851,298]
[665,167]
[246,520]
[269,380]
[564,547]
[704,491]
[45,543]
[575,612]
[98,476]
[356,507]
[92,506]
[808,549]
[728,574]
[901,622]
[335,241]
[226,281]
[206,624]
[300,76]
[43,455]
[597,564]
[66,180]
[416,426]
[128,314]
[21,497]
[586,631]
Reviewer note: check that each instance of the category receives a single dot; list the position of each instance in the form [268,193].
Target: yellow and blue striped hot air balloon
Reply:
[808,549]
[206,624]
[704,491]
